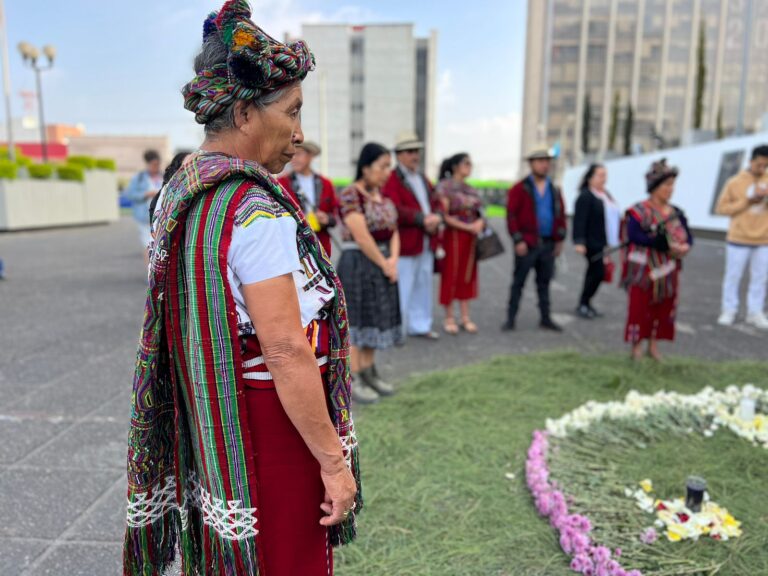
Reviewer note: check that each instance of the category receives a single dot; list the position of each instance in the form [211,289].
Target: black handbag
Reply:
[488,245]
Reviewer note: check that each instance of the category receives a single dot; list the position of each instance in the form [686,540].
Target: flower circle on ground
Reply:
[624,544]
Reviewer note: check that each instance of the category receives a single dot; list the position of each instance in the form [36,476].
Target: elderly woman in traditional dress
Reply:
[657,238]
[242,451]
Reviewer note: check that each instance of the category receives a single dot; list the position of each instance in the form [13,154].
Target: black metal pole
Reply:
[43,131]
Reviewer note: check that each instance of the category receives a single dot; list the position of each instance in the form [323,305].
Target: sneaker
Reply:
[584,312]
[371,377]
[727,319]
[508,326]
[595,313]
[758,320]
[548,324]
[361,392]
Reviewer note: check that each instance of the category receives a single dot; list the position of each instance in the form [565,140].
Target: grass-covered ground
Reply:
[435,457]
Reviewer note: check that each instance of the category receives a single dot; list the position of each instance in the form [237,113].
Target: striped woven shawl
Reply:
[191,468]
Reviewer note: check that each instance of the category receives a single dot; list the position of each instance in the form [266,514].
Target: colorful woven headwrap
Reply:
[658,173]
[256,63]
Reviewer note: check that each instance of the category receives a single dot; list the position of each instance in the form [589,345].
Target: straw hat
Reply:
[540,152]
[310,147]
[408,141]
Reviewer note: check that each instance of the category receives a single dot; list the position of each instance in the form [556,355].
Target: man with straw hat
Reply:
[536,222]
[313,192]
[419,220]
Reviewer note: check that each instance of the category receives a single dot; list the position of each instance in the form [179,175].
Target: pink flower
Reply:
[649,536]
[587,558]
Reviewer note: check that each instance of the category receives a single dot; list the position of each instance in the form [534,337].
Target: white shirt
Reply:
[416,181]
[612,218]
[307,189]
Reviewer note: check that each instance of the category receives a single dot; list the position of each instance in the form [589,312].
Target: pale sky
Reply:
[120,66]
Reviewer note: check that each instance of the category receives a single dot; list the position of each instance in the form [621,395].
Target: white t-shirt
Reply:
[307,189]
[612,218]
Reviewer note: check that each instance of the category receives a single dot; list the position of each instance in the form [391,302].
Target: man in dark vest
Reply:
[419,217]
[314,193]
[536,222]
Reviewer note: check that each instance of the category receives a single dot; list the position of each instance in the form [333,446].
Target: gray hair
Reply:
[214,52]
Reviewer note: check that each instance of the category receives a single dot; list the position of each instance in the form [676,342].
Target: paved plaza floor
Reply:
[70,312]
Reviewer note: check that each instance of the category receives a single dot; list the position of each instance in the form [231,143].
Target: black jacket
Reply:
[589,222]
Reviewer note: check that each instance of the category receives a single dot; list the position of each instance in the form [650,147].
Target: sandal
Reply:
[468,326]
[450,326]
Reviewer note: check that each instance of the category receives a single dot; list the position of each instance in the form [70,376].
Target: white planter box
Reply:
[26,204]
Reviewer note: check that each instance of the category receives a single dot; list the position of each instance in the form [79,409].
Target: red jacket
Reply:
[327,203]
[522,221]
[410,216]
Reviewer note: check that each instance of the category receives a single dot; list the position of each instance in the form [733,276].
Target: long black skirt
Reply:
[373,304]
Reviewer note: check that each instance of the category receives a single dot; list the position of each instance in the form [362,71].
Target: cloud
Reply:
[493,142]
[446,94]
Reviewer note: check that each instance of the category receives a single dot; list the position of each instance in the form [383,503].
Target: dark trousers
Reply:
[592,279]
[542,259]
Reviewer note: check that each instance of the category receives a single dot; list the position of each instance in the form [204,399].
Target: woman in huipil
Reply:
[242,452]
[464,222]
[368,271]
[657,240]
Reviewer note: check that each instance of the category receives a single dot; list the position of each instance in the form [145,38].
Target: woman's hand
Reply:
[580,249]
[323,218]
[340,491]
[680,250]
[477,226]
[390,269]
[521,249]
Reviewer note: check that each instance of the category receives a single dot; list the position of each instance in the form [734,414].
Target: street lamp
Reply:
[30,54]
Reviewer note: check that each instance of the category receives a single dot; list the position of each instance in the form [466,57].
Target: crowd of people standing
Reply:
[397,230]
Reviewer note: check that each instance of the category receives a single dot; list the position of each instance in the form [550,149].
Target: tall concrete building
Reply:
[372,82]
[646,52]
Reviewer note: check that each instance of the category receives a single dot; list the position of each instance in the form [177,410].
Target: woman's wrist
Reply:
[332,463]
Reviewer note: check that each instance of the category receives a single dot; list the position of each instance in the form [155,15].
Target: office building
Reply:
[372,82]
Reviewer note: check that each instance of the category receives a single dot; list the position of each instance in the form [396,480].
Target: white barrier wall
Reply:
[704,168]
[27,204]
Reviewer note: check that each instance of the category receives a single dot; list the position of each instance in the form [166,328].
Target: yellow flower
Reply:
[674,533]
[646,485]
[242,38]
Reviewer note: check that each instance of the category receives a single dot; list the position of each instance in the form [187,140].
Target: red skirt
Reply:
[459,274]
[648,319]
[290,492]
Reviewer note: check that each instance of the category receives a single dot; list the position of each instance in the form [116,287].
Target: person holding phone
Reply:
[745,199]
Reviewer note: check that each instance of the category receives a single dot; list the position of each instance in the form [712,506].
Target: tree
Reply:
[586,126]
[629,125]
[701,77]
[720,128]
[613,130]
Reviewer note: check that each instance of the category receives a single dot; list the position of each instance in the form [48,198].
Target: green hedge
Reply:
[71,172]
[41,171]
[106,164]
[8,170]
[21,159]
[85,162]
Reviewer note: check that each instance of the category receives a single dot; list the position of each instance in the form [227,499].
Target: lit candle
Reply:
[747,409]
